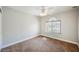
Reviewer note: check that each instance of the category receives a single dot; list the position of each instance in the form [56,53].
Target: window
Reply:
[53,25]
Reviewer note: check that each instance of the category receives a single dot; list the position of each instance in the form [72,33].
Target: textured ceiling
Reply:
[35,10]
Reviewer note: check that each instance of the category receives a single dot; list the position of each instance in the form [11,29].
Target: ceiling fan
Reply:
[44,11]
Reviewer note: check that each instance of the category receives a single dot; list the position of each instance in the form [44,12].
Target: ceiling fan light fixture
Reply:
[43,14]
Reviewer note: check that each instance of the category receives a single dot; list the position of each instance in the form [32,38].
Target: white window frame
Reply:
[52,29]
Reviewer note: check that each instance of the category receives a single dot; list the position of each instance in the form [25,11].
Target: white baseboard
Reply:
[62,39]
[36,36]
[18,41]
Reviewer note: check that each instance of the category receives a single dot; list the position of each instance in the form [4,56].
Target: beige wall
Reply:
[68,25]
[17,26]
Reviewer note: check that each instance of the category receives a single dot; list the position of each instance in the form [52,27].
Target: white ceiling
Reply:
[35,10]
